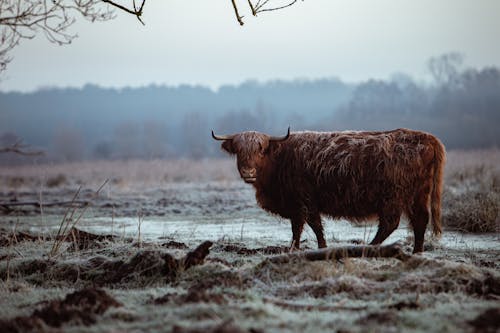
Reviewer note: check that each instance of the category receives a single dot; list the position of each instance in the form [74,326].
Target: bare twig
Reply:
[140,220]
[259,8]
[64,220]
[238,17]
[62,233]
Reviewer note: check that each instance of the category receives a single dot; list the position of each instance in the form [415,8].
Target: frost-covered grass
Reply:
[185,202]
[432,292]
[123,174]
[471,198]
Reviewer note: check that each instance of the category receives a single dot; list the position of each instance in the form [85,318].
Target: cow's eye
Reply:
[262,149]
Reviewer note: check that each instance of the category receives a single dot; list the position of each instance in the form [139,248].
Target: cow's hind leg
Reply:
[314,221]
[388,222]
[419,218]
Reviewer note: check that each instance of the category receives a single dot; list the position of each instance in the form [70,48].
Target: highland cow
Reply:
[353,175]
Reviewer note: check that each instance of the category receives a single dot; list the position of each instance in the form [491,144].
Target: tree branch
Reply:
[136,11]
[19,148]
[258,7]
[342,252]
[24,19]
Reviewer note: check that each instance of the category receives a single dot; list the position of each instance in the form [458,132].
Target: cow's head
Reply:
[251,150]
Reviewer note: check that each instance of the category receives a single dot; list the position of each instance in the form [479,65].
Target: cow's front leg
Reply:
[297,226]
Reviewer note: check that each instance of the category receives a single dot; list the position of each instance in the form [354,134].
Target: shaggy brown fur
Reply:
[351,175]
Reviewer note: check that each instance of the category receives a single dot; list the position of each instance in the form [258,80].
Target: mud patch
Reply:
[83,240]
[8,238]
[223,279]
[380,318]
[225,327]
[192,296]
[174,245]
[79,239]
[488,321]
[78,308]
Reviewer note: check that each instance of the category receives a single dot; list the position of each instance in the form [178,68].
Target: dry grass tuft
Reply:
[472,211]
[471,200]
[436,276]
[56,181]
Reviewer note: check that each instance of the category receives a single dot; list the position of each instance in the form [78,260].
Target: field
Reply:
[124,260]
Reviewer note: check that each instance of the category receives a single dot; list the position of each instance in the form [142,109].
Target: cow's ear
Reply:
[228,146]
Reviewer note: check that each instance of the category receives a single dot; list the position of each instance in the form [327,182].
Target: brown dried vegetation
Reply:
[146,266]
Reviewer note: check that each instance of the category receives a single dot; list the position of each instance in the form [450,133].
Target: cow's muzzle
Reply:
[249,180]
[249,175]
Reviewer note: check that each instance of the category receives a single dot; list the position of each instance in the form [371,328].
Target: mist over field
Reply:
[460,105]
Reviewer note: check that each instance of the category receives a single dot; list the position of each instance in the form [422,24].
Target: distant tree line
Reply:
[461,106]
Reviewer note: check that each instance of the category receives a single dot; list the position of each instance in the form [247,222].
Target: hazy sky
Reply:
[200,42]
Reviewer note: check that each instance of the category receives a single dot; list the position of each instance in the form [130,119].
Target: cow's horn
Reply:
[280,138]
[221,137]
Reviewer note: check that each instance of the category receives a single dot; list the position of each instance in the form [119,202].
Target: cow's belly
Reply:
[355,212]
[356,204]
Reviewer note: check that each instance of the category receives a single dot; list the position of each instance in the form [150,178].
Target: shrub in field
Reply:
[472,211]
[471,200]
[56,181]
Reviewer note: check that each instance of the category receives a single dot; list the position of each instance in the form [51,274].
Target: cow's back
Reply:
[353,174]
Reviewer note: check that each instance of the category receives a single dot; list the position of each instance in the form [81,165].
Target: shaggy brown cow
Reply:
[352,175]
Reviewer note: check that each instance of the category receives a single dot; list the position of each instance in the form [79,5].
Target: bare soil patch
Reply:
[78,308]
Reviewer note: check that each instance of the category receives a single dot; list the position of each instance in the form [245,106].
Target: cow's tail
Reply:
[437,188]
